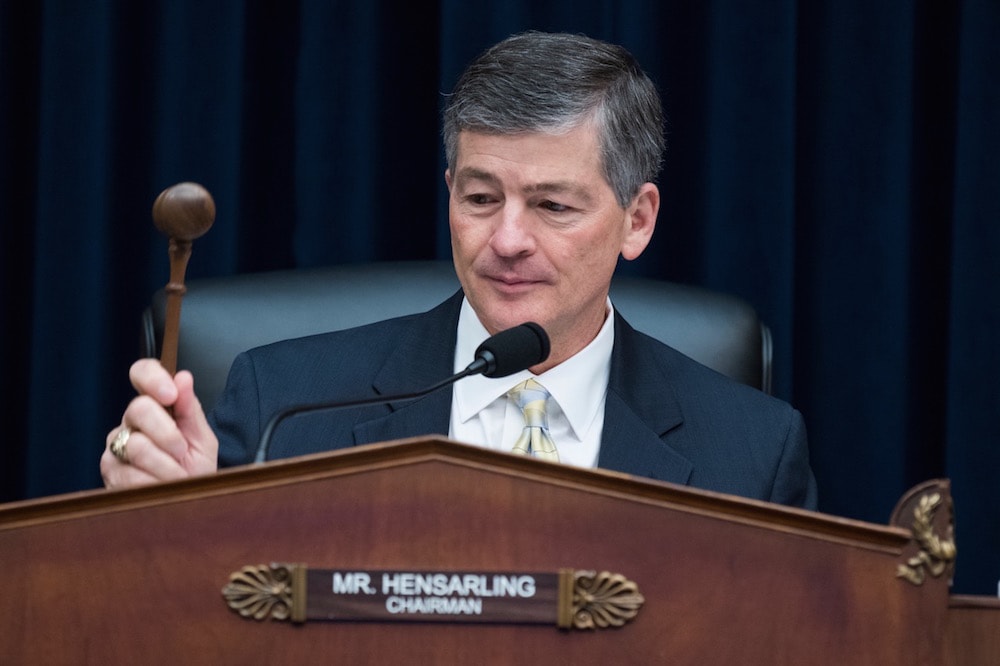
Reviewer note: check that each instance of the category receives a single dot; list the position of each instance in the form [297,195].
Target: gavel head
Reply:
[184,211]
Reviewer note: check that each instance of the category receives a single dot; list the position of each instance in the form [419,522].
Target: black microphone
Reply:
[500,355]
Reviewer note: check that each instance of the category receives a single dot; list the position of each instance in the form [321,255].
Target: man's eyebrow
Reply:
[561,187]
[472,173]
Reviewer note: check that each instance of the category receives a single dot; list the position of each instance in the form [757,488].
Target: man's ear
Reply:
[447,178]
[640,220]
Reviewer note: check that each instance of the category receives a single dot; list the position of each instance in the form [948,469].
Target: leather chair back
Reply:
[221,317]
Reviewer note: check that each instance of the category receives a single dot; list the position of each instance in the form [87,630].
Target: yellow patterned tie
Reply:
[535,439]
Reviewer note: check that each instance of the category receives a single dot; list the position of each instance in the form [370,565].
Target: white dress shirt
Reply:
[481,413]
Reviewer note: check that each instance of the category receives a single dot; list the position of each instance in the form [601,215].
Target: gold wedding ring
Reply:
[119,443]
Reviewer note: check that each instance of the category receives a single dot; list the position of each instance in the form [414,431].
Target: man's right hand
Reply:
[168,436]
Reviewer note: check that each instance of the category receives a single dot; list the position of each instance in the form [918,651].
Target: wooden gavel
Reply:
[182,212]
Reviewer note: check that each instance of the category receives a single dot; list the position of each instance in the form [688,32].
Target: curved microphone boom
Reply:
[508,352]
[500,355]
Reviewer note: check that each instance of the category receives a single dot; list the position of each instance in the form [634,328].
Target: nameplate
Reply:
[568,598]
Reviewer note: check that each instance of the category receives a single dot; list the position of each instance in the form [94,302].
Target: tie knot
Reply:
[531,397]
[527,391]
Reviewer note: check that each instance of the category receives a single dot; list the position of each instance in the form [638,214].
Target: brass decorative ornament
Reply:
[262,592]
[603,600]
[937,553]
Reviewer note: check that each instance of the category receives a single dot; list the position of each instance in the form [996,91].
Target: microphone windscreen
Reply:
[515,349]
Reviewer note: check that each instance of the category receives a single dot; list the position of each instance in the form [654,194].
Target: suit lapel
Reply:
[640,413]
[424,355]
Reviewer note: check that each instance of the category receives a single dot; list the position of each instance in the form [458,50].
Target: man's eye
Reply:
[554,207]
[480,199]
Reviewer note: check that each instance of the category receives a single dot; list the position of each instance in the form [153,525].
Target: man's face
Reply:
[536,232]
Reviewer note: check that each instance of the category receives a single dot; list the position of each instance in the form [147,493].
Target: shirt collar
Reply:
[578,384]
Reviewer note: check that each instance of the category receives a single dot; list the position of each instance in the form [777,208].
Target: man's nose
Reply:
[512,235]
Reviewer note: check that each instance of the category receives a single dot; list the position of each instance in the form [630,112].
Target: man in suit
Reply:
[553,143]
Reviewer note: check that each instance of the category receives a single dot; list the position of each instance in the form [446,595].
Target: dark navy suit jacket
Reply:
[666,416]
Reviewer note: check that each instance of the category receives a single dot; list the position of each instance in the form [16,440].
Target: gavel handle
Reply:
[180,252]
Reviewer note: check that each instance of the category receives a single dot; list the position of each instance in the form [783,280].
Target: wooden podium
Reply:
[137,576]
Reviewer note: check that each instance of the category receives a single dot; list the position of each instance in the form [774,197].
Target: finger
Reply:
[150,378]
[146,456]
[119,475]
[193,424]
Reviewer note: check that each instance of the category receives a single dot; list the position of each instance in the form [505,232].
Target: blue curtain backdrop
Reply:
[835,162]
